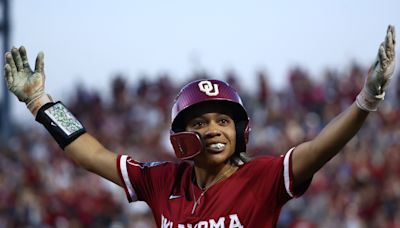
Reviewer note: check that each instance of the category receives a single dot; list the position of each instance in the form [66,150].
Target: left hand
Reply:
[379,74]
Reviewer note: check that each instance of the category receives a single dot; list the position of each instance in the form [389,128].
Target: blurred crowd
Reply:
[360,187]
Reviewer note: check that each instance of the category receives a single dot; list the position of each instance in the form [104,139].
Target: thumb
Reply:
[39,65]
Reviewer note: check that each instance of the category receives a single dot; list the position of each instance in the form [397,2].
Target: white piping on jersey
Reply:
[286,170]
[125,176]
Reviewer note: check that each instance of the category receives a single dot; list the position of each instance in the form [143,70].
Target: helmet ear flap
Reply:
[186,144]
[242,136]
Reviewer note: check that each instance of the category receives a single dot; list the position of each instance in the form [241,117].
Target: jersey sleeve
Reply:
[144,181]
[274,175]
[288,177]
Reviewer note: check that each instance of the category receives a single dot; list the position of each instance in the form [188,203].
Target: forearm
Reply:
[85,150]
[338,132]
[91,155]
[309,157]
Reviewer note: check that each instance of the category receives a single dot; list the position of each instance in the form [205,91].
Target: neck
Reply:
[206,177]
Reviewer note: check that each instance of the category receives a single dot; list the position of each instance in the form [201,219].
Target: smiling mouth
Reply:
[216,147]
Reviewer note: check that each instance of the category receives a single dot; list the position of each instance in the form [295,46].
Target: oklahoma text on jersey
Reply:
[234,222]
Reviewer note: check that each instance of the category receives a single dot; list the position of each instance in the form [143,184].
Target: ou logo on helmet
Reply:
[208,88]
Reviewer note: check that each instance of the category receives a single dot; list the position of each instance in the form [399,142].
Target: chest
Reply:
[247,199]
[223,205]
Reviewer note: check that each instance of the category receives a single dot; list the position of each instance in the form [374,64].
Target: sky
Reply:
[89,41]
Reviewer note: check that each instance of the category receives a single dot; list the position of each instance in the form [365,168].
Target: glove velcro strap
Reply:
[368,102]
[60,123]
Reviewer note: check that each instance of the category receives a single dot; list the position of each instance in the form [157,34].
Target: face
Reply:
[217,130]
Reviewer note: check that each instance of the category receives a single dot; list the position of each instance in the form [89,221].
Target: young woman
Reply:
[215,184]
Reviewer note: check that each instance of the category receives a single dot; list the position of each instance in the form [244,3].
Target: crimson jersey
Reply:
[251,197]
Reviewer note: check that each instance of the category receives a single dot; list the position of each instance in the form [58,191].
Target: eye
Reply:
[224,121]
[197,124]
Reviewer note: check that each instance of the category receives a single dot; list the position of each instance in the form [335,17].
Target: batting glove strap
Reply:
[60,123]
[37,102]
[368,102]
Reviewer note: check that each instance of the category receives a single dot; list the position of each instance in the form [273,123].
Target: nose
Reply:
[212,131]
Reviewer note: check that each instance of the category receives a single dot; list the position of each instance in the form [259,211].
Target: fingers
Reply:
[390,42]
[383,59]
[24,57]
[392,30]
[17,58]
[39,66]
[8,75]
[10,62]
[394,35]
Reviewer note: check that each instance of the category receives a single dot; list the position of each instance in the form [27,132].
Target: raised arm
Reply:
[28,87]
[310,156]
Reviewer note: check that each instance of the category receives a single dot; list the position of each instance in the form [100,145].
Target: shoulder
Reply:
[266,159]
[127,162]
[263,164]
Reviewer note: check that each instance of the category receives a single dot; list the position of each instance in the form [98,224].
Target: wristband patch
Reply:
[63,118]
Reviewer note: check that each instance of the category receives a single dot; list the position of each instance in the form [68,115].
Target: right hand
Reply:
[26,84]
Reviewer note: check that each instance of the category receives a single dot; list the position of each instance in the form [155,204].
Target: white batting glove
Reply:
[26,84]
[379,74]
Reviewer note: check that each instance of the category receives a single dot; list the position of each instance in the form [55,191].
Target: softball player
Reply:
[215,184]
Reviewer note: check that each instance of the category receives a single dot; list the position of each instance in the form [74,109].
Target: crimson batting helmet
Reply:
[189,144]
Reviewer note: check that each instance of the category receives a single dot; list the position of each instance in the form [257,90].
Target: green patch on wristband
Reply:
[63,119]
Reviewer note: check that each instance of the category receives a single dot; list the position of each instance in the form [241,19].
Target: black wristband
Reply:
[60,123]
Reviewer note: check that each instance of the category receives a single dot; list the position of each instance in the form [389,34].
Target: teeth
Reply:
[217,146]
